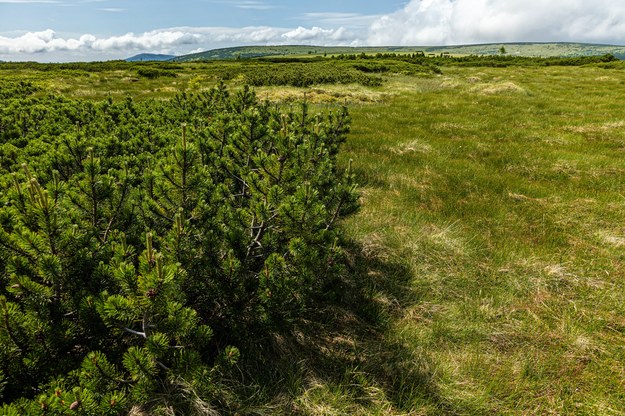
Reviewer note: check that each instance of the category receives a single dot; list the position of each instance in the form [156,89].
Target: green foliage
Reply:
[488,274]
[424,64]
[140,239]
[307,74]
[16,90]
[294,72]
[505,60]
[153,73]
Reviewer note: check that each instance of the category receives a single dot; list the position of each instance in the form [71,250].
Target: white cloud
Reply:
[254,5]
[301,34]
[111,9]
[436,22]
[245,4]
[48,41]
[48,45]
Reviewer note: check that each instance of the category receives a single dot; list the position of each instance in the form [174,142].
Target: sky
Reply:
[84,30]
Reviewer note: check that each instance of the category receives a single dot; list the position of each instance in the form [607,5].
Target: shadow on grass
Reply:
[341,358]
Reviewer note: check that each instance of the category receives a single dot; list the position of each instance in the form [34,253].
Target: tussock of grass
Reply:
[350,94]
[605,78]
[613,239]
[415,145]
[593,128]
[500,88]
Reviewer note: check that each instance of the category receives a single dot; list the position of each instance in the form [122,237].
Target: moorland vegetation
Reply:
[172,242]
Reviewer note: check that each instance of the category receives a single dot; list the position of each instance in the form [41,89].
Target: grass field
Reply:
[501,191]
[487,263]
[492,226]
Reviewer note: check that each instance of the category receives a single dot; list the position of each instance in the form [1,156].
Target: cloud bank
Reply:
[48,41]
[174,40]
[445,22]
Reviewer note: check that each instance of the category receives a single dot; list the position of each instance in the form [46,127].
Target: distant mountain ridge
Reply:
[537,49]
[246,52]
[150,57]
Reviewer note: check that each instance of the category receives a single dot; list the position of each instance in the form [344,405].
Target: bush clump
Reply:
[308,74]
[153,73]
[140,243]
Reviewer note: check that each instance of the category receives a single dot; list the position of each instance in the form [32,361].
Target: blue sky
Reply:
[111,17]
[67,30]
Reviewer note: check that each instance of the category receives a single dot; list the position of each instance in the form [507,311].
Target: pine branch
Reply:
[122,198]
[132,331]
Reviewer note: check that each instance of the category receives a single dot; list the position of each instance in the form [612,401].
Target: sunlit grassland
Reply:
[502,192]
[487,263]
[125,80]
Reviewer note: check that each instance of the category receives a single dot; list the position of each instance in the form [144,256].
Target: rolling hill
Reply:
[515,49]
[150,57]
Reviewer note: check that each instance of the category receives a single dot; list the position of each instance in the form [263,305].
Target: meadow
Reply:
[484,267]
[501,192]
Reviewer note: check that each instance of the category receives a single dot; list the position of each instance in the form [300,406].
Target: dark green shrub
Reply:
[140,241]
[153,73]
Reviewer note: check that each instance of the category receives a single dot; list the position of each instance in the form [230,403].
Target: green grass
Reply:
[487,269]
[117,80]
[502,192]
[487,262]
